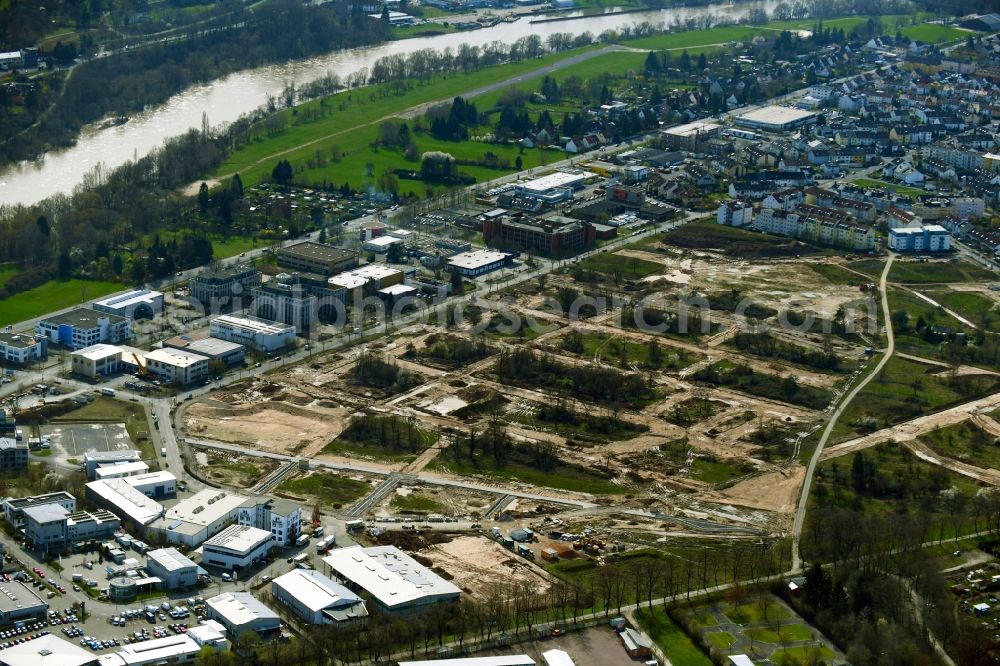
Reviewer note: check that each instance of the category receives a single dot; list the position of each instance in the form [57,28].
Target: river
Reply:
[225,99]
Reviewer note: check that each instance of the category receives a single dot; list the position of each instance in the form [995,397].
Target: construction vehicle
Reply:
[142,369]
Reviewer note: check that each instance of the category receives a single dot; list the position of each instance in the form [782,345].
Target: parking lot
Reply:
[72,440]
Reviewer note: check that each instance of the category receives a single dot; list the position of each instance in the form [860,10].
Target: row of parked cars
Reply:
[19,638]
[66,617]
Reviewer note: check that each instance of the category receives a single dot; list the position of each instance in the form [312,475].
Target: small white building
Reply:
[94,459]
[239,612]
[477,262]
[121,499]
[317,599]
[237,547]
[557,658]
[177,366]
[929,238]
[381,244]
[263,336]
[120,470]
[138,304]
[175,649]
[100,360]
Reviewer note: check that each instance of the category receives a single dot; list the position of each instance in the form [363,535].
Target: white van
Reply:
[108,392]
[163,451]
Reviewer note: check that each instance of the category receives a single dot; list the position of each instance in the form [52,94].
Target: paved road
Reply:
[800,511]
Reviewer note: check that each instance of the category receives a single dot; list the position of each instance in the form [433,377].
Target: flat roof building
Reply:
[237,547]
[240,611]
[175,570]
[125,501]
[554,236]
[216,290]
[120,470]
[177,366]
[381,244]
[18,602]
[478,262]
[47,650]
[84,327]
[13,454]
[214,349]
[281,517]
[317,599]
[395,580]
[195,519]
[776,118]
[18,348]
[100,360]
[138,304]
[13,507]
[290,304]
[316,258]
[690,135]
[94,459]
[260,335]
[369,278]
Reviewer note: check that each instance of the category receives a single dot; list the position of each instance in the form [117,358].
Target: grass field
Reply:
[980,310]
[414,503]
[965,441]
[7,271]
[737,242]
[720,639]
[933,33]
[676,645]
[51,296]
[628,268]
[364,108]
[912,272]
[330,489]
[808,654]
[563,477]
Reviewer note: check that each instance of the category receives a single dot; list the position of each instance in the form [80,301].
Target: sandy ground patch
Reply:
[275,427]
[775,491]
[477,563]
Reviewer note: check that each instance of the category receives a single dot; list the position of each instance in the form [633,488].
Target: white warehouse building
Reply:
[193,520]
[177,366]
[138,304]
[263,336]
[174,569]
[237,547]
[240,611]
[317,599]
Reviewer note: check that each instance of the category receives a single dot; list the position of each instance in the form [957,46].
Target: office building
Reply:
[51,527]
[316,599]
[287,304]
[929,238]
[174,569]
[138,304]
[237,547]
[260,335]
[197,518]
[84,327]
[396,581]
[18,602]
[13,508]
[316,258]
[13,454]
[19,349]
[216,290]
[734,213]
[214,349]
[8,424]
[471,264]
[281,517]
[554,236]
[177,366]
[100,360]
[366,279]
[157,485]
[240,611]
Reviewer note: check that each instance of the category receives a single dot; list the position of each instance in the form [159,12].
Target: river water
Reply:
[227,98]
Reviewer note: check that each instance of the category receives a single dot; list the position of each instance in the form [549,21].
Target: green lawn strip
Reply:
[837,274]
[964,441]
[712,471]
[899,189]
[365,106]
[676,645]
[330,489]
[742,378]
[421,30]
[780,633]
[562,477]
[365,450]
[733,241]
[51,296]
[7,271]
[719,639]
[802,655]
